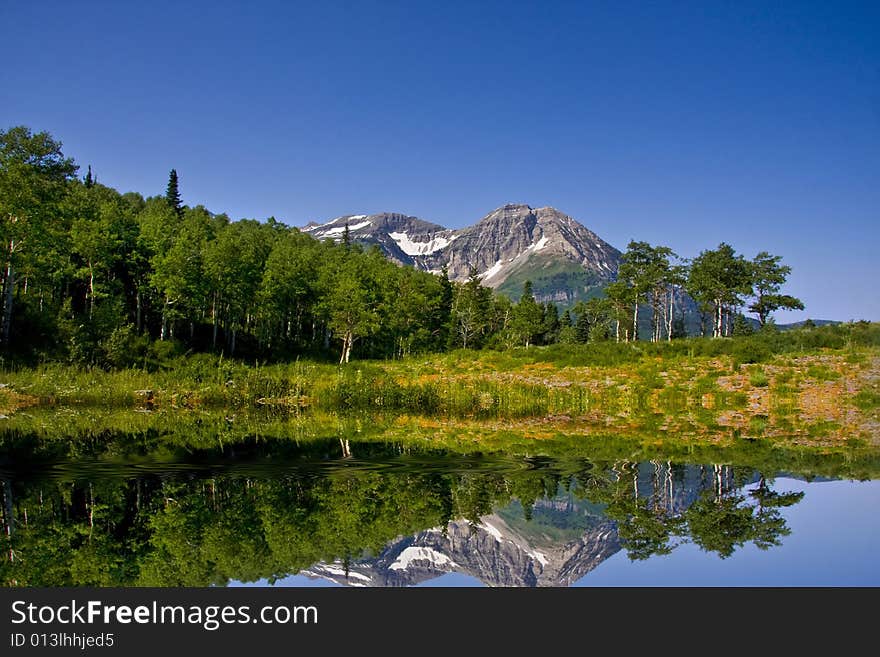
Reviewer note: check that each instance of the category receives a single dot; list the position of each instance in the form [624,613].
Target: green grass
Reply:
[641,384]
[822,373]
[867,399]
[758,378]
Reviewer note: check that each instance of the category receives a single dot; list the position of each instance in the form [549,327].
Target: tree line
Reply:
[94,276]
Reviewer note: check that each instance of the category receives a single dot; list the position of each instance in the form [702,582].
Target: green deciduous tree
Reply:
[470,310]
[768,276]
[289,292]
[652,277]
[352,306]
[234,264]
[718,280]
[33,174]
[619,298]
[178,272]
[636,272]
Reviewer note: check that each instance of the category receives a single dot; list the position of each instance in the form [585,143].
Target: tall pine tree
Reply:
[172,193]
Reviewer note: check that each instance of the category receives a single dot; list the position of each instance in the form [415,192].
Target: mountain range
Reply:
[564,260]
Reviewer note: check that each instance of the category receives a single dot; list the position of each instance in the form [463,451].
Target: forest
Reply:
[95,277]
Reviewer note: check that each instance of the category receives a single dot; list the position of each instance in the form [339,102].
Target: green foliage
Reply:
[867,399]
[472,312]
[742,326]
[527,317]
[758,378]
[91,275]
[718,280]
[768,276]
[172,194]
[549,276]
[154,515]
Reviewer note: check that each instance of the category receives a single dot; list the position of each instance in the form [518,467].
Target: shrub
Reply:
[750,350]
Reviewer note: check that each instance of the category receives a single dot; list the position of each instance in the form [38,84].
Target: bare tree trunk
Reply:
[347,341]
[214,320]
[91,512]
[8,296]
[91,290]
[139,311]
[8,510]
[635,333]
[163,335]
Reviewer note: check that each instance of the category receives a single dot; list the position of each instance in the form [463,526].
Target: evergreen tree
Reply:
[565,320]
[582,327]
[172,194]
[527,317]
[742,326]
[88,180]
[551,325]
[566,329]
[443,320]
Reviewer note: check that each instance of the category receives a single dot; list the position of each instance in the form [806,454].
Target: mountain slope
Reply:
[564,260]
[493,552]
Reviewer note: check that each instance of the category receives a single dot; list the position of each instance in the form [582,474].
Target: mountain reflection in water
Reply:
[393,516]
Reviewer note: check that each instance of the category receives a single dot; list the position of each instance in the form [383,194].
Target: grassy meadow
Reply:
[812,386]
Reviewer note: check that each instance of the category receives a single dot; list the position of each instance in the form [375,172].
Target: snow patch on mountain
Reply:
[494,269]
[337,569]
[540,244]
[491,530]
[411,554]
[410,247]
[539,557]
[339,230]
[325,229]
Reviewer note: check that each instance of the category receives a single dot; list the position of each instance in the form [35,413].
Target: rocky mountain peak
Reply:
[513,243]
[493,552]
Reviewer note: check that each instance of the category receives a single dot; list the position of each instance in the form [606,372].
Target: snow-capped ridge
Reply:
[514,242]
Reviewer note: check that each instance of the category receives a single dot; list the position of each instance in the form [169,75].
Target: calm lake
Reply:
[124,510]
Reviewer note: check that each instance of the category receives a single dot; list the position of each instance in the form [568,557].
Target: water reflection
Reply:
[363,514]
[645,509]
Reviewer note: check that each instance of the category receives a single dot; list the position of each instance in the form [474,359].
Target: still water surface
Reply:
[381,514]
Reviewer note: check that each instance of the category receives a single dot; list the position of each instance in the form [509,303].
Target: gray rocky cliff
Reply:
[514,243]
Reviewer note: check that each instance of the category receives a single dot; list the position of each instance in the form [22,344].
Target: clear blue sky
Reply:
[677,123]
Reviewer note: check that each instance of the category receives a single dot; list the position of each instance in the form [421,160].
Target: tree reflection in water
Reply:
[251,517]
